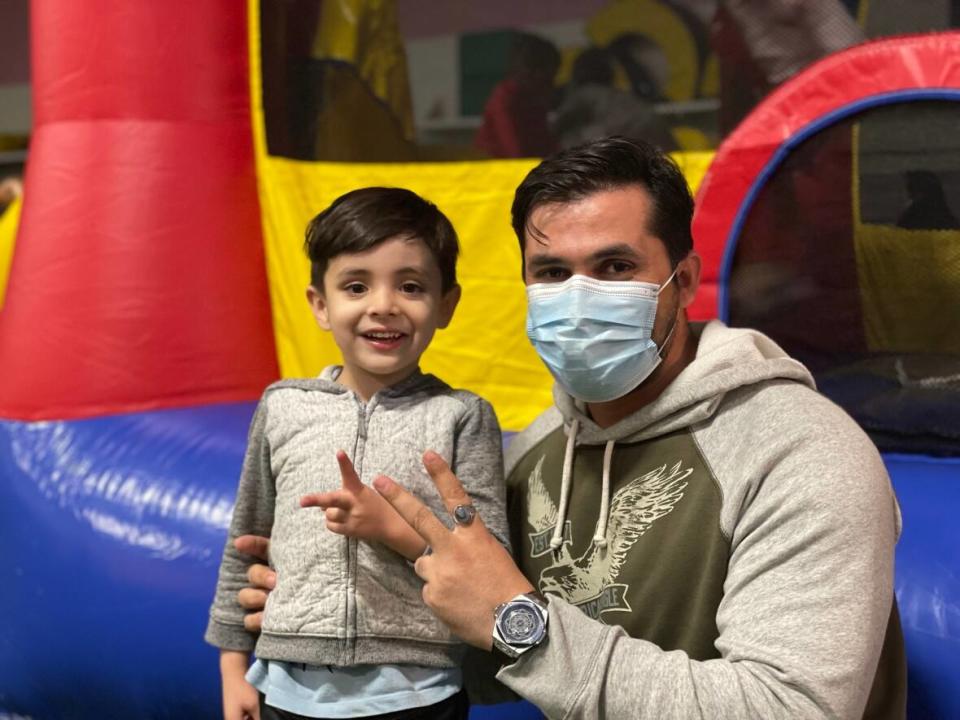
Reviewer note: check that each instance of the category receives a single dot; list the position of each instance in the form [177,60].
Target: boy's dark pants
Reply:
[455,707]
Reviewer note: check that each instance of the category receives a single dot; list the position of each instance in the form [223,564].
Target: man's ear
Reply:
[448,303]
[318,306]
[688,278]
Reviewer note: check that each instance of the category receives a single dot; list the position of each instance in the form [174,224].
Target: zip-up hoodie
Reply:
[339,601]
[724,552]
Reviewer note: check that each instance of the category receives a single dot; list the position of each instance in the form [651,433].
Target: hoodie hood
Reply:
[726,359]
[326,381]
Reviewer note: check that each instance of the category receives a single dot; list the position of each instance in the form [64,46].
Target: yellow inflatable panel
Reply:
[9,222]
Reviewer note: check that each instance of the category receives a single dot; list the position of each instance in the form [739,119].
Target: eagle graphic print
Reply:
[590,580]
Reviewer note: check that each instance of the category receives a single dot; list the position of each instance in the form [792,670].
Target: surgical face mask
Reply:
[595,336]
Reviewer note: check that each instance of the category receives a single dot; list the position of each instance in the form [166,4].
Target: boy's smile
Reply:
[383,306]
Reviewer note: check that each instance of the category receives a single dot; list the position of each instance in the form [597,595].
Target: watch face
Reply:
[520,623]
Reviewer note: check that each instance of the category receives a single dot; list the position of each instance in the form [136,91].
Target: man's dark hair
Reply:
[362,219]
[610,164]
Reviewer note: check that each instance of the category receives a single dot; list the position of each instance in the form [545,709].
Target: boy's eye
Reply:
[355,288]
[411,288]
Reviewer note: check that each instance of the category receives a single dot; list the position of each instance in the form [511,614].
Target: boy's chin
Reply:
[390,374]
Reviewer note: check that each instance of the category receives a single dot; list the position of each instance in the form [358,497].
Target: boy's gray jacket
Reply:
[339,601]
[745,568]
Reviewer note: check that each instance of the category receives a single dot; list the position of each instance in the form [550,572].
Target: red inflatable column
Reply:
[139,278]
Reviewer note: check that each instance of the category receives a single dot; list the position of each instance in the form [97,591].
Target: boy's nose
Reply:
[382,302]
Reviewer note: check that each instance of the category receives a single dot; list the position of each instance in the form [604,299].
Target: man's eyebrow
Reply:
[538,261]
[618,250]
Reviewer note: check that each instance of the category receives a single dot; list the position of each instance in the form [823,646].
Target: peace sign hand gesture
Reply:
[468,572]
[357,510]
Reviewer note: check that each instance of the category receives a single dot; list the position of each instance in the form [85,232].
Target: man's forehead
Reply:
[591,240]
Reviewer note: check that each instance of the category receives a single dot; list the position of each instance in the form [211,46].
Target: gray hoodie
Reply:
[339,601]
[724,552]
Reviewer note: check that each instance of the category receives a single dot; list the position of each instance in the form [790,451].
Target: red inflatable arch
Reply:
[875,73]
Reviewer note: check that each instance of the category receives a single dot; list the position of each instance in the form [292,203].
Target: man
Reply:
[712,538]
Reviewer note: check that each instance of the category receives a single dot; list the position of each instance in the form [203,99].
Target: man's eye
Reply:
[617,267]
[554,273]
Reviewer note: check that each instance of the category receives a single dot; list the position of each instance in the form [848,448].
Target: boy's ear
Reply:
[448,303]
[318,306]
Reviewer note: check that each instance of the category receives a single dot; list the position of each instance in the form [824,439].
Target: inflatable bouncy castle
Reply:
[154,287]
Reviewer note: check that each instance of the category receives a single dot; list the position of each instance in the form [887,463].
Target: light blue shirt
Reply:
[341,692]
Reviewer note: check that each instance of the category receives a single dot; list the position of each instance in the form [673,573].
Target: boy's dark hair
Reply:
[364,218]
[609,164]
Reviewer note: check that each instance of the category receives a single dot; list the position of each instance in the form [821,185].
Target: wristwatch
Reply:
[519,625]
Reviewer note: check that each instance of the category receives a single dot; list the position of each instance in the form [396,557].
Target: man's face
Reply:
[604,236]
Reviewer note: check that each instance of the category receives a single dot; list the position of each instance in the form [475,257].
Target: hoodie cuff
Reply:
[229,637]
[552,676]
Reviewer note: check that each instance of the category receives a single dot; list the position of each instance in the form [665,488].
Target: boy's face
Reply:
[382,306]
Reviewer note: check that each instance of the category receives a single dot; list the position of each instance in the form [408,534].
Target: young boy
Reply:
[345,631]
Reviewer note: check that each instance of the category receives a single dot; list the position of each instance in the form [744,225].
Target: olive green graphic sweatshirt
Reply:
[725,552]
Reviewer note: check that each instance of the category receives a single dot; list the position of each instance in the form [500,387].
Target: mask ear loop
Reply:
[676,314]
[667,281]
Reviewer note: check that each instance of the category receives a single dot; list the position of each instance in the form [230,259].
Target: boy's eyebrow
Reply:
[353,272]
[364,272]
[411,269]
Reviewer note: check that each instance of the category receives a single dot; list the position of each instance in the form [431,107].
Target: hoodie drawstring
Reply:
[600,535]
[557,540]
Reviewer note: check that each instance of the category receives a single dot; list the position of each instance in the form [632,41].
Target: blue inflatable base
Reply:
[114,528]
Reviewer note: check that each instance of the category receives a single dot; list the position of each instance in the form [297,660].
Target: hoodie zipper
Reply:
[364,410]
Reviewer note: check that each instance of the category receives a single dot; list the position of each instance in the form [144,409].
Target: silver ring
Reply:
[464,514]
[427,551]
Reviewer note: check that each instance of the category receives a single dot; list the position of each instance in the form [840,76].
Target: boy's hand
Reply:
[356,510]
[241,701]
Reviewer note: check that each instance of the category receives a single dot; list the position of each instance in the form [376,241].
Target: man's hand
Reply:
[356,510]
[241,701]
[469,572]
[262,580]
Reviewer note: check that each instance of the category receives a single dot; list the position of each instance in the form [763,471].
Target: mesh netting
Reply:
[850,259]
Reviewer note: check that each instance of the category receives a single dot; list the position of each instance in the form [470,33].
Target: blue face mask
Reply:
[595,336]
